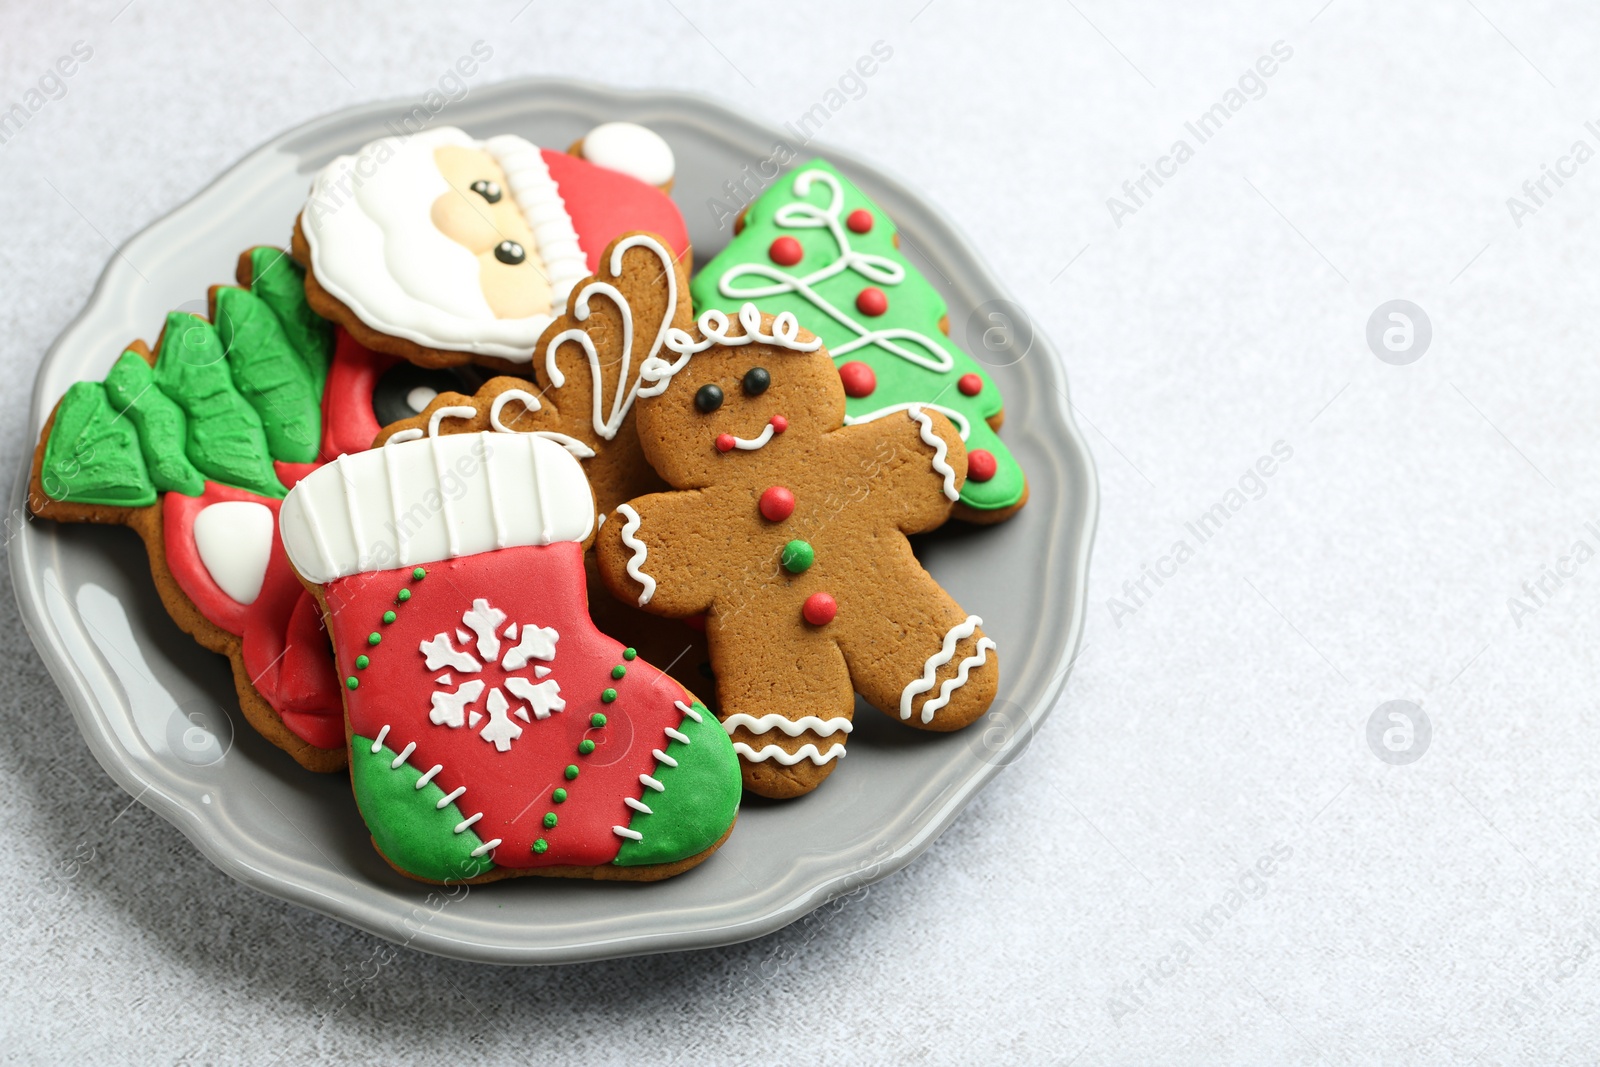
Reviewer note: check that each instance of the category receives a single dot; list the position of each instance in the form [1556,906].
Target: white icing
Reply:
[630,539]
[431,499]
[631,835]
[663,757]
[804,215]
[627,385]
[638,805]
[790,727]
[687,710]
[444,801]
[713,325]
[427,776]
[631,149]
[234,539]
[451,707]
[946,653]
[753,443]
[788,759]
[374,245]
[450,797]
[650,782]
[941,466]
[420,397]
[963,425]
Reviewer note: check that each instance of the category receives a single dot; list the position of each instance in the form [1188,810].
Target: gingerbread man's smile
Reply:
[726,442]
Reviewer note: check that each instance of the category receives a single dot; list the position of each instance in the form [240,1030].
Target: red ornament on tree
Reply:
[819,609]
[785,251]
[981,465]
[872,301]
[859,220]
[859,381]
[970,384]
[777,503]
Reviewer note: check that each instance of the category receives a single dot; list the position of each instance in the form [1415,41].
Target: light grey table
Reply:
[1107,898]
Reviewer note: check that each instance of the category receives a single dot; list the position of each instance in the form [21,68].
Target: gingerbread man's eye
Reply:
[510,253]
[708,399]
[490,191]
[756,380]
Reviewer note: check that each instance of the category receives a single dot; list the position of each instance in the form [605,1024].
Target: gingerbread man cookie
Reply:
[787,530]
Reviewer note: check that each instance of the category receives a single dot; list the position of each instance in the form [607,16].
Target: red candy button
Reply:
[785,251]
[724,442]
[819,609]
[779,423]
[777,503]
[858,379]
[872,301]
[859,220]
[970,384]
[981,465]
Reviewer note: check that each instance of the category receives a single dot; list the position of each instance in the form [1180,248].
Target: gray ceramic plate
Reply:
[160,715]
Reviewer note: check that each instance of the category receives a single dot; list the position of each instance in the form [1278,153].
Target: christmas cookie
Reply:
[442,249]
[814,246]
[787,530]
[588,367]
[193,447]
[493,730]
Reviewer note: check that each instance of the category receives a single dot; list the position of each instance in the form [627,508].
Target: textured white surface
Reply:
[1431,912]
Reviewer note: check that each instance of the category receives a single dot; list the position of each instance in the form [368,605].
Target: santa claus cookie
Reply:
[787,530]
[588,367]
[442,249]
[193,447]
[493,730]
[815,246]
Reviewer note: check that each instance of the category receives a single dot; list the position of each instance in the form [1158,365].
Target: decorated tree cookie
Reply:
[787,530]
[194,447]
[588,366]
[494,731]
[442,249]
[814,246]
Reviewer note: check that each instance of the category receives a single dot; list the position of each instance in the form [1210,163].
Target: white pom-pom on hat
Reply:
[632,149]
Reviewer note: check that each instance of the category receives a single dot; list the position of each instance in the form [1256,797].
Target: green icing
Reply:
[92,455]
[226,440]
[270,374]
[406,822]
[915,308]
[280,282]
[699,801]
[131,388]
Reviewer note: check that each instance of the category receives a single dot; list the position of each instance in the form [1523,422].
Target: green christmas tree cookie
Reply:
[815,246]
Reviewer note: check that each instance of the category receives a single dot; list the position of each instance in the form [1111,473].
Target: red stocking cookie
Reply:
[787,530]
[493,730]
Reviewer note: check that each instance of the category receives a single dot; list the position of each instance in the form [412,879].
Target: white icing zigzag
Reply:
[945,654]
[790,727]
[940,464]
[630,530]
[788,759]
[713,325]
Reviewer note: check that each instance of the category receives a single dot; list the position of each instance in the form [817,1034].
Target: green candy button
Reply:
[798,556]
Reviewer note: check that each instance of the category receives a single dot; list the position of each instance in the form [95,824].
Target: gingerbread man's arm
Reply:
[912,464]
[652,552]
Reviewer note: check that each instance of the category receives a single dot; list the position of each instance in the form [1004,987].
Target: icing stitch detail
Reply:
[940,449]
[630,531]
[946,653]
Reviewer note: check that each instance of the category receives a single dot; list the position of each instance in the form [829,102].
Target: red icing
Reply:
[970,384]
[777,503]
[819,609]
[348,424]
[779,423]
[872,301]
[290,473]
[785,251]
[859,220]
[725,442]
[533,586]
[981,465]
[284,651]
[859,379]
[605,204]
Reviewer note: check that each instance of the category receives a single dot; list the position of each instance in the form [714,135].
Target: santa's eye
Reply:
[490,191]
[756,380]
[509,253]
[708,399]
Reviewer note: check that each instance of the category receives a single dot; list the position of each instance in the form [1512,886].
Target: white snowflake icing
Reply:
[453,707]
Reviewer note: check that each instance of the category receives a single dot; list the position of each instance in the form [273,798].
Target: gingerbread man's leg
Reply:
[924,662]
[786,701]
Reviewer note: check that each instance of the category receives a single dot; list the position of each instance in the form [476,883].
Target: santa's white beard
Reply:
[375,248]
